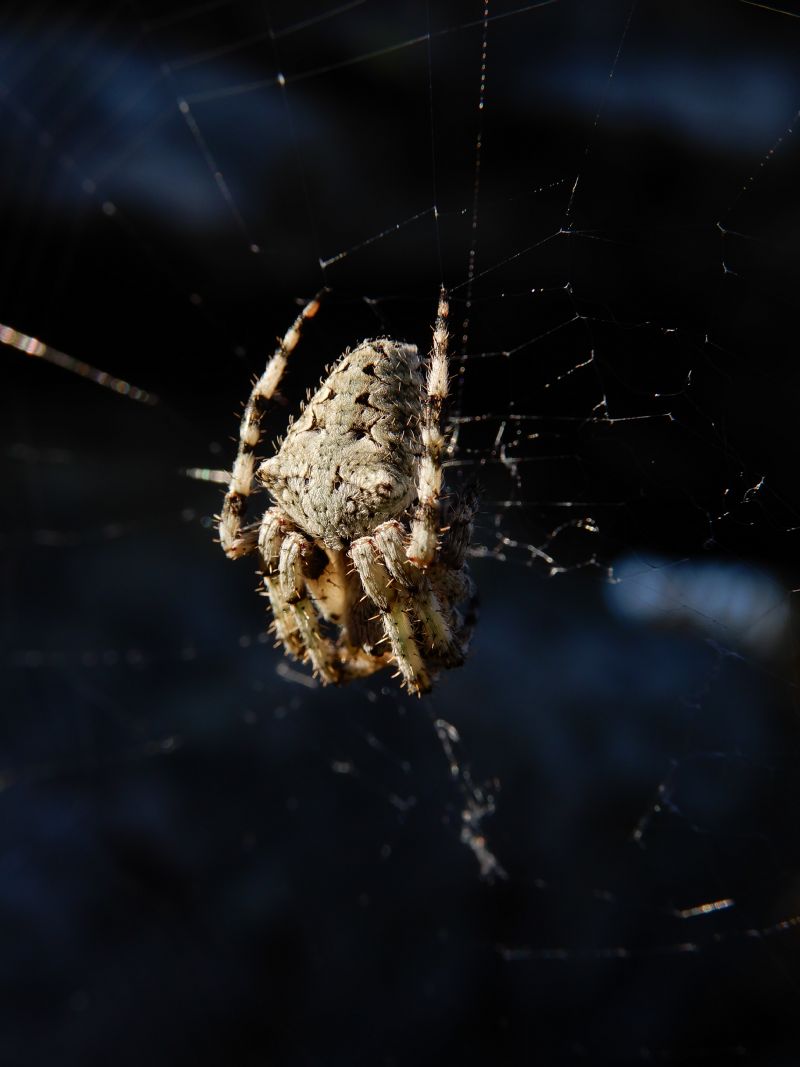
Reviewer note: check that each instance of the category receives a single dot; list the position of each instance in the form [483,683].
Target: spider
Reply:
[362,558]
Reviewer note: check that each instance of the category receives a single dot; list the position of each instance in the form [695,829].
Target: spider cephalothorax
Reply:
[362,559]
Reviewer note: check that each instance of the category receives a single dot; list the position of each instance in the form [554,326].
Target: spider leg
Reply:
[458,534]
[297,602]
[449,574]
[424,527]
[419,594]
[248,538]
[271,535]
[241,482]
[457,590]
[393,604]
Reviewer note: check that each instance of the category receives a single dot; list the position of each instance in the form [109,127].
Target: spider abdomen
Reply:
[349,461]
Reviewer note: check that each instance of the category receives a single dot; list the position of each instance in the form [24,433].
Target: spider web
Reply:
[584,842]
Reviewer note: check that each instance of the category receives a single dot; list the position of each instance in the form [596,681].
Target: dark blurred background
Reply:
[204,858]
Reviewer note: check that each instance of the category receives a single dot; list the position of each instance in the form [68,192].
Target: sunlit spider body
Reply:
[362,560]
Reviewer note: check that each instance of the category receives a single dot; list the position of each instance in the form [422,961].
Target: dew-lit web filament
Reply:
[705,909]
[568,954]
[207,474]
[32,346]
